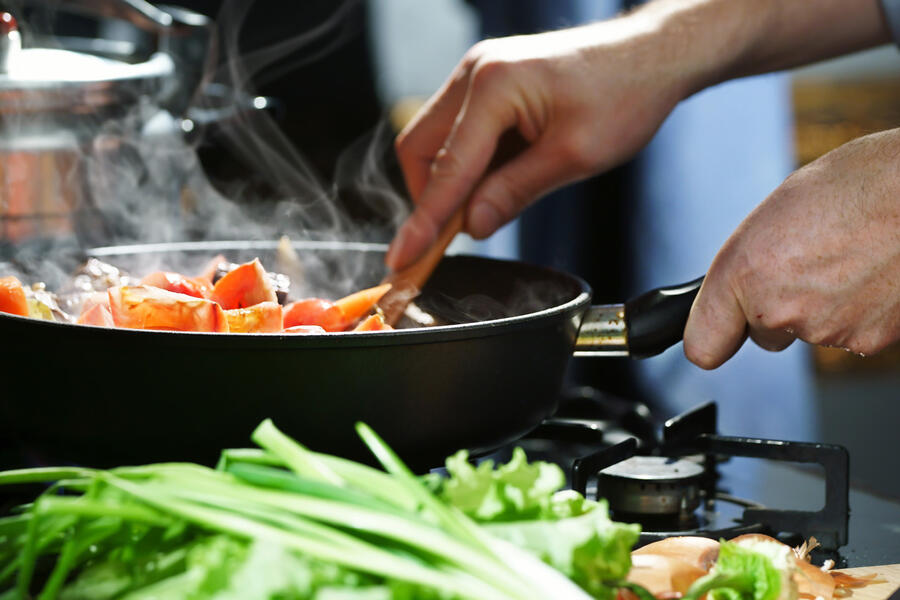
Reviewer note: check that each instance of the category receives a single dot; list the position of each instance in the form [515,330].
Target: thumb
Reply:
[508,190]
[716,327]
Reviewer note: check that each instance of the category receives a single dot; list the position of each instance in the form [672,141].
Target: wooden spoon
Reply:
[407,283]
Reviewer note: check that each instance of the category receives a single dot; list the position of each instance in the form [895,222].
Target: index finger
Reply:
[421,138]
[457,168]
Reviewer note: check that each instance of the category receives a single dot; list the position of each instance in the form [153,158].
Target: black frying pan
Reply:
[105,397]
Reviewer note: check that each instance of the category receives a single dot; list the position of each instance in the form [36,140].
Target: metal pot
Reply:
[72,115]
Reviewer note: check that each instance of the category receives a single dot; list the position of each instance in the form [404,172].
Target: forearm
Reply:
[712,41]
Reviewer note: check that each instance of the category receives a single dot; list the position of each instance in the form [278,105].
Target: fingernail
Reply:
[483,220]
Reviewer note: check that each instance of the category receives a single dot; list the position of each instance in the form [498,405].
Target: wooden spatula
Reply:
[408,282]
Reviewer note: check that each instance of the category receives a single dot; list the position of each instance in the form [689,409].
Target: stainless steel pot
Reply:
[71,116]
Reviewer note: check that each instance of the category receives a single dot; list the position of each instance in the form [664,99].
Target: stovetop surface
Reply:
[874,537]
[874,521]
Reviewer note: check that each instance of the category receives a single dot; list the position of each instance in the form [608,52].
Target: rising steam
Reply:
[134,176]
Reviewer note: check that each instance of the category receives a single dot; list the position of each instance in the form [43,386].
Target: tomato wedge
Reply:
[314,311]
[265,317]
[147,307]
[356,305]
[12,297]
[98,315]
[373,323]
[244,286]
[176,282]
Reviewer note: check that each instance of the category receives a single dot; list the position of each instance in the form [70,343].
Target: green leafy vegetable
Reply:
[280,522]
[591,549]
[757,571]
[514,491]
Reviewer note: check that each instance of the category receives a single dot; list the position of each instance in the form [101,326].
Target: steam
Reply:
[134,176]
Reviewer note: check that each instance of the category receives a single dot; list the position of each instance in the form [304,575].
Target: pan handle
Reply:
[642,327]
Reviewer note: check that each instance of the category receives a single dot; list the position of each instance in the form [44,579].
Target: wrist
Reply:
[708,41]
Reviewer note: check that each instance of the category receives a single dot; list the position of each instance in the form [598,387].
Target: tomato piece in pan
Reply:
[176,282]
[265,317]
[244,286]
[358,304]
[147,307]
[304,329]
[373,323]
[12,297]
[98,315]
[314,311]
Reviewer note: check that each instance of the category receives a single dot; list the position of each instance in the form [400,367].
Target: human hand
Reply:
[818,260]
[583,100]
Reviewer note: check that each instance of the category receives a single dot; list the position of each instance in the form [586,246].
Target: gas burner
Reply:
[670,484]
[653,486]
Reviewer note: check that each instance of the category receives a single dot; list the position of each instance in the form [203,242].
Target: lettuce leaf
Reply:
[590,549]
[513,491]
[740,573]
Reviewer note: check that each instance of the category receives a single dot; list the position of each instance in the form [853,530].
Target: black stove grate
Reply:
[594,431]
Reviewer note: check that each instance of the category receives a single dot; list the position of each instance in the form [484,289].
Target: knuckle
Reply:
[402,146]
[446,165]
[577,150]
[505,193]
[487,73]
[476,52]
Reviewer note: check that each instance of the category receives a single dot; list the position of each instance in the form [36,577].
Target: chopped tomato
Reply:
[197,287]
[12,297]
[373,323]
[265,317]
[98,314]
[147,307]
[357,305]
[314,311]
[304,329]
[245,286]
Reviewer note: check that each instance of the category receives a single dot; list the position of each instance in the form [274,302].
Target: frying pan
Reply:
[104,397]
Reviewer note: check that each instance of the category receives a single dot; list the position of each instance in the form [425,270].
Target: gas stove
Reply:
[682,477]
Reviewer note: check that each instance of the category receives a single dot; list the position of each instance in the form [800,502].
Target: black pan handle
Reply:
[642,327]
[655,320]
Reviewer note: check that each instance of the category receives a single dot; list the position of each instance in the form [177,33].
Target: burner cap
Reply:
[652,485]
[654,468]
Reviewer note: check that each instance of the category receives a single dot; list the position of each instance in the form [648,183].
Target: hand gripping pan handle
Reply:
[641,327]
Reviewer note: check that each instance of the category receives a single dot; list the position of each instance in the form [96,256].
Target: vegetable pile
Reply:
[242,299]
[284,522]
[281,521]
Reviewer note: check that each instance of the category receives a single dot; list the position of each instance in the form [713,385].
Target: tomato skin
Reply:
[98,315]
[304,329]
[12,297]
[148,307]
[265,317]
[178,283]
[244,286]
[314,311]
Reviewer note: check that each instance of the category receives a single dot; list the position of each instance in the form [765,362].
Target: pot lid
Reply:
[51,79]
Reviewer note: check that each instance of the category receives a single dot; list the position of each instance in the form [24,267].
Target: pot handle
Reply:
[640,328]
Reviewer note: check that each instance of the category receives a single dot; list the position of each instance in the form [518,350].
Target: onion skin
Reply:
[663,575]
[699,552]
